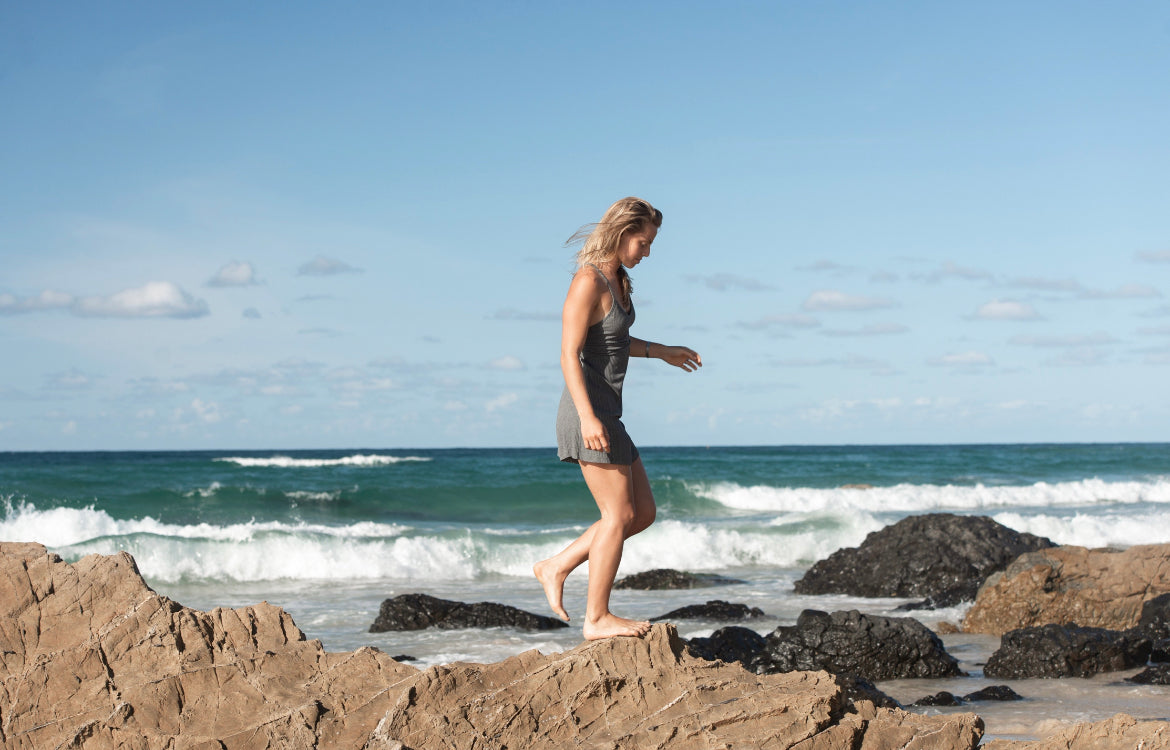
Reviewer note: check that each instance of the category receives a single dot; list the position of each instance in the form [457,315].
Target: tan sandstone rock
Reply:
[91,658]
[1120,732]
[1089,587]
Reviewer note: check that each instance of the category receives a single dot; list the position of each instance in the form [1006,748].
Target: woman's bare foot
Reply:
[554,587]
[610,625]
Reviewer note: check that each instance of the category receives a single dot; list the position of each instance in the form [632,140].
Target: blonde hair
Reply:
[601,239]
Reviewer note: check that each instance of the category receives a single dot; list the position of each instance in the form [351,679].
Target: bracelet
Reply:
[647,343]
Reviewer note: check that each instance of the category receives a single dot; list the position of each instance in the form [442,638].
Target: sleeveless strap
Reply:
[612,293]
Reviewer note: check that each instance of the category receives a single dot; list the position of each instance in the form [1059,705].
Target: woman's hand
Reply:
[594,434]
[681,356]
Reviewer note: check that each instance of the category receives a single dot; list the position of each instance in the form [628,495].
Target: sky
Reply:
[304,225]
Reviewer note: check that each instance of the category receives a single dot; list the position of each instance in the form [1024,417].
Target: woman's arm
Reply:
[582,305]
[679,356]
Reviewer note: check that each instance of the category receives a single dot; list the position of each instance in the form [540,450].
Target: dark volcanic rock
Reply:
[730,644]
[665,578]
[419,611]
[877,648]
[1066,651]
[1156,675]
[1160,653]
[921,556]
[942,698]
[1155,619]
[716,609]
[860,689]
[994,693]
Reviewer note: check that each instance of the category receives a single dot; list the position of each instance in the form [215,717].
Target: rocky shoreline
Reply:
[91,657]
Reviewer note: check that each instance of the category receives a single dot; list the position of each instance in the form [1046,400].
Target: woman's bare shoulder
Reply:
[587,280]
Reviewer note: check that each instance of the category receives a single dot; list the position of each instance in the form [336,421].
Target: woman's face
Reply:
[634,246]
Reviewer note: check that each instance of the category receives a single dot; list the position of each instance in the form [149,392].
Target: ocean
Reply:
[329,534]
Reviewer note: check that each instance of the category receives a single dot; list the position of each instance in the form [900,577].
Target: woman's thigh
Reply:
[612,487]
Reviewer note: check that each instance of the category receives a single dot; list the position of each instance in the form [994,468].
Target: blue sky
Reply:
[297,225]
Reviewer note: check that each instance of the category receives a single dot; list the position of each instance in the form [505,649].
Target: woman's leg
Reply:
[612,486]
[552,572]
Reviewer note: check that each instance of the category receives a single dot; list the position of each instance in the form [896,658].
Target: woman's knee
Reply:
[642,519]
[623,518]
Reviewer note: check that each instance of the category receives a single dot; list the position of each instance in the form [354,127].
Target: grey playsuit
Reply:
[603,361]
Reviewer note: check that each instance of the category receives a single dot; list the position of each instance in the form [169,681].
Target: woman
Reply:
[595,349]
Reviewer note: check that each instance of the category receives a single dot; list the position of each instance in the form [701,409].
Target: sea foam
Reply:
[287,462]
[920,498]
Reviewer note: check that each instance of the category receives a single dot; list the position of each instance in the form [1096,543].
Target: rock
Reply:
[716,609]
[1155,618]
[633,693]
[941,698]
[933,555]
[1102,588]
[877,648]
[730,644]
[859,689]
[994,693]
[1065,651]
[404,657]
[1160,653]
[664,578]
[1155,675]
[946,627]
[93,658]
[1119,732]
[420,611]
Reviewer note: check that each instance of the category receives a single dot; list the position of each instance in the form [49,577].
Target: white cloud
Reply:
[827,266]
[1006,309]
[1047,285]
[157,299]
[964,359]
[69,380]
[234,274]
[1155,330]
[831,299]
[721,282]
[781,321]
[322,266]
[69,428]
[208,411]
[876,329]
[1158,312]
[850,362]
[507,362]
[501,401]
[1080,357]
[49,299]
[951,270]
[1125,291]
[1099,338]
[1160,256]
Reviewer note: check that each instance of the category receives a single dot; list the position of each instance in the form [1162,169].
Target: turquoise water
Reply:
[440,515]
